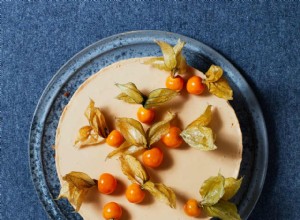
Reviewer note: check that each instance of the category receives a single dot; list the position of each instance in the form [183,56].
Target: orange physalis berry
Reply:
[107,183]
[112,210]
[134,193]
[153,157]
[195,86]
[172,139]
[145,115]
[115,138]
[192,208]
[175,83]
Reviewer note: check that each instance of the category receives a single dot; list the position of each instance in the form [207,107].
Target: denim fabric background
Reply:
[261,38]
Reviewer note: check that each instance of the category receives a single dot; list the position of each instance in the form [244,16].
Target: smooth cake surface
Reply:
[183,169]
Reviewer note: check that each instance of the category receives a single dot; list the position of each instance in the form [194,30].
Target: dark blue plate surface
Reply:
[141,44]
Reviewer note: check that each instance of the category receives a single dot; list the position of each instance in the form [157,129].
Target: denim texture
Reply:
[261,38]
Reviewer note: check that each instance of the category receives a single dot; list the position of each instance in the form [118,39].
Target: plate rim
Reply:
[42,104]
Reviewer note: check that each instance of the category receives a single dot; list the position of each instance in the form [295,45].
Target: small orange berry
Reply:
[153,157]
[112,210]
[115,138]
[192,208]
[107,183]
[175,83]
[172,139]
[134,193]
[195,86]
[145,115]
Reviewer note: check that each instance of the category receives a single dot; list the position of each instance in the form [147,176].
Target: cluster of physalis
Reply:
[131,139]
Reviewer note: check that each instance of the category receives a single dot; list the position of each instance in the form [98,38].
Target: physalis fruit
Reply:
[107,183]
[136,139]
[217,84]
[198,135]
[215,192]
[96,131]
[136,173]
[172,61]
[75,187]
[131,94]
[112,211]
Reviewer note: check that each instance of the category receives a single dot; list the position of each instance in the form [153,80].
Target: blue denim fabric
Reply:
[261,38]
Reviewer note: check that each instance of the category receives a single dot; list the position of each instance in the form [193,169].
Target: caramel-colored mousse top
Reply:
[183,169]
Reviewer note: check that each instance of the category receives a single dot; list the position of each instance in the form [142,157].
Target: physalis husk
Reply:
[172,59]
[96,131]
[132,95]
[198,135]
[136,173]
[75,187]
[136,139]
[216,191]
[217,84]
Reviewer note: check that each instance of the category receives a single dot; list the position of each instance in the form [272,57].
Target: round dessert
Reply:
[184,169]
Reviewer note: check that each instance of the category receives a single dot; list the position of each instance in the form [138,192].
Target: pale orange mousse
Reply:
[184,169]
